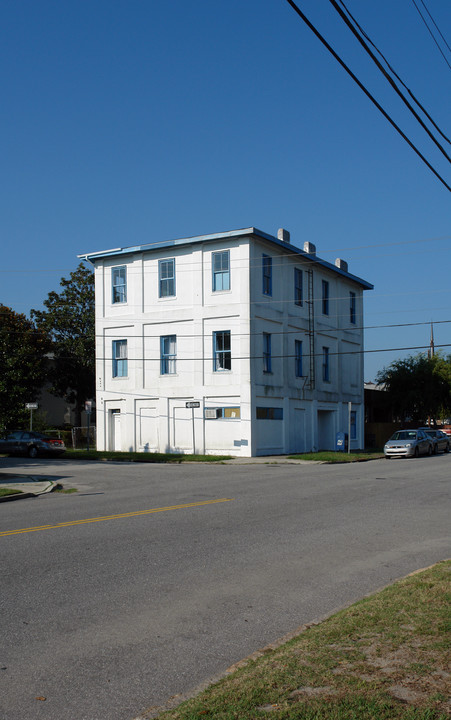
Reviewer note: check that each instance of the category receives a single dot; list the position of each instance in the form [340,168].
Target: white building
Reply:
[232,343]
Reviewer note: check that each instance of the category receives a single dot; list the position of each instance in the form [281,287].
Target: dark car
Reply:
[22,442]
[440,439]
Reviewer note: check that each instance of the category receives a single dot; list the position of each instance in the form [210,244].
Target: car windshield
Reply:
[404,435]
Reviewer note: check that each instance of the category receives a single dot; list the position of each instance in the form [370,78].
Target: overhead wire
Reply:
[358,31]
[367,92]
[430,31]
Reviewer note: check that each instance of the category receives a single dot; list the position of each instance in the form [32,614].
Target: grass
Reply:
[329,456]
[9,491]
[141,457]
[384,658]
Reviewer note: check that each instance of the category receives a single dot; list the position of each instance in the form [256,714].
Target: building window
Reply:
[222,353]
[266,353]
[269,413]
[297,286]
[326,369]
[166,277]
[325,297]
[120,362]
[352,308]
[267,275]
[298,357]
[353,424]
[221,270]
[168,354]
[223,413]
[119,284]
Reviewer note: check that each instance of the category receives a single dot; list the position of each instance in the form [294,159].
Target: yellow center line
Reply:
[112,517]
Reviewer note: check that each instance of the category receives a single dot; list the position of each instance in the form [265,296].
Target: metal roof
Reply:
[231,234]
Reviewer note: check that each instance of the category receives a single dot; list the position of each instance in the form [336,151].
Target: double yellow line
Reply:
[38,528]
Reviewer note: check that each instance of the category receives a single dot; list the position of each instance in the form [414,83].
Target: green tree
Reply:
[23,364]
[419,387]
[69,322]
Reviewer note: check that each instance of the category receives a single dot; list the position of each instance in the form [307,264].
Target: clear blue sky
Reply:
[138,121]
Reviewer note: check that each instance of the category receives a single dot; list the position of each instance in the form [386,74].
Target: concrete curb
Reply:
[40,487]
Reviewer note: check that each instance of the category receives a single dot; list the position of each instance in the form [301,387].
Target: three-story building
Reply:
[232,343]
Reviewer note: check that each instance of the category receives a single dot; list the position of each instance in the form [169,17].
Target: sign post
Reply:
[31,407]
[88,410]
[193,404]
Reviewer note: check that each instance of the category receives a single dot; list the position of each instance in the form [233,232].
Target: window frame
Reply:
[352,307]
[267,364]
[326,364]
[164,283]
[118,289]
[220,273]
[222,356]
[267,275]
[353,424]
[120,362]
[268,413]
[168,359]
[298,358]
[298,287]
[325,296]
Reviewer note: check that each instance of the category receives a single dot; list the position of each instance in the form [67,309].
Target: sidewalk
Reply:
[26,486]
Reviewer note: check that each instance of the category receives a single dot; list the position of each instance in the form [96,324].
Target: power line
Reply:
[430,31]
[366,91]
[356,34]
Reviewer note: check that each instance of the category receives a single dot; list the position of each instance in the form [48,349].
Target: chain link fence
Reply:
[80,437]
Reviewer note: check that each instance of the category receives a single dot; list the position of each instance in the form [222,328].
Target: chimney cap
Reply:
[283,235]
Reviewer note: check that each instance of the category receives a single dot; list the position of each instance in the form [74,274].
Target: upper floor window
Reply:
[267,275]
[352,306]
[298,358]
[266,353]
[326,368]
[120,361]
[166,278]
[298,286]
[168,354]
[119,284]
[222,352]
[353,419]
[220,264]
[325,297]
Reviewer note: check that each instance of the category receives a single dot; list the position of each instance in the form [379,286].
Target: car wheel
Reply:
[435,450]
[417,452]
[447,447]
[32,452]
[430,450]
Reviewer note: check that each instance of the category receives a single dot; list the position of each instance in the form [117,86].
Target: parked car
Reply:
[31,443]
[440,440]
[408,443]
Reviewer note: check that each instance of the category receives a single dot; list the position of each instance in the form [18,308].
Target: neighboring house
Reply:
[265,339]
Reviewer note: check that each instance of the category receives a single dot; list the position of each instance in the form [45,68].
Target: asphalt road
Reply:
[107,608]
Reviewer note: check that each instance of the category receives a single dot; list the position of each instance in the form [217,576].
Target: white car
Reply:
[408,443]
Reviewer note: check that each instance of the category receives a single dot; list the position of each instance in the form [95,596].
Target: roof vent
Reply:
[283,235]
[310,248]
[342,264]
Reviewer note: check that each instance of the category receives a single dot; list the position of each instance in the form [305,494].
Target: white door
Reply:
[115,443]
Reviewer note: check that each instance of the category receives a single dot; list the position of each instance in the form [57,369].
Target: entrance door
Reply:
[115,430]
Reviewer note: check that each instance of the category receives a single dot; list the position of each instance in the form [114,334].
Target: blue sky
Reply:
[143,121]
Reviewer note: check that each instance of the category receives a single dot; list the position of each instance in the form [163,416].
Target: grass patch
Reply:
[141,457]
[65,491]
[328,456]
[9,491]
[383,658]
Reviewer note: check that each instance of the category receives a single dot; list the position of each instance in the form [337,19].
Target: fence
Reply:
[80,437]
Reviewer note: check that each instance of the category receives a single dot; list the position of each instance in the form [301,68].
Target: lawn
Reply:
[384,658]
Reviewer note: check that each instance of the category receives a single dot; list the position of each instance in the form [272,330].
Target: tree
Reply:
[419,387]
[69,322]
[23,365]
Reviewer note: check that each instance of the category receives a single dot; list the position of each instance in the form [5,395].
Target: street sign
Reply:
[88,406]
[31,406]
[192,404]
